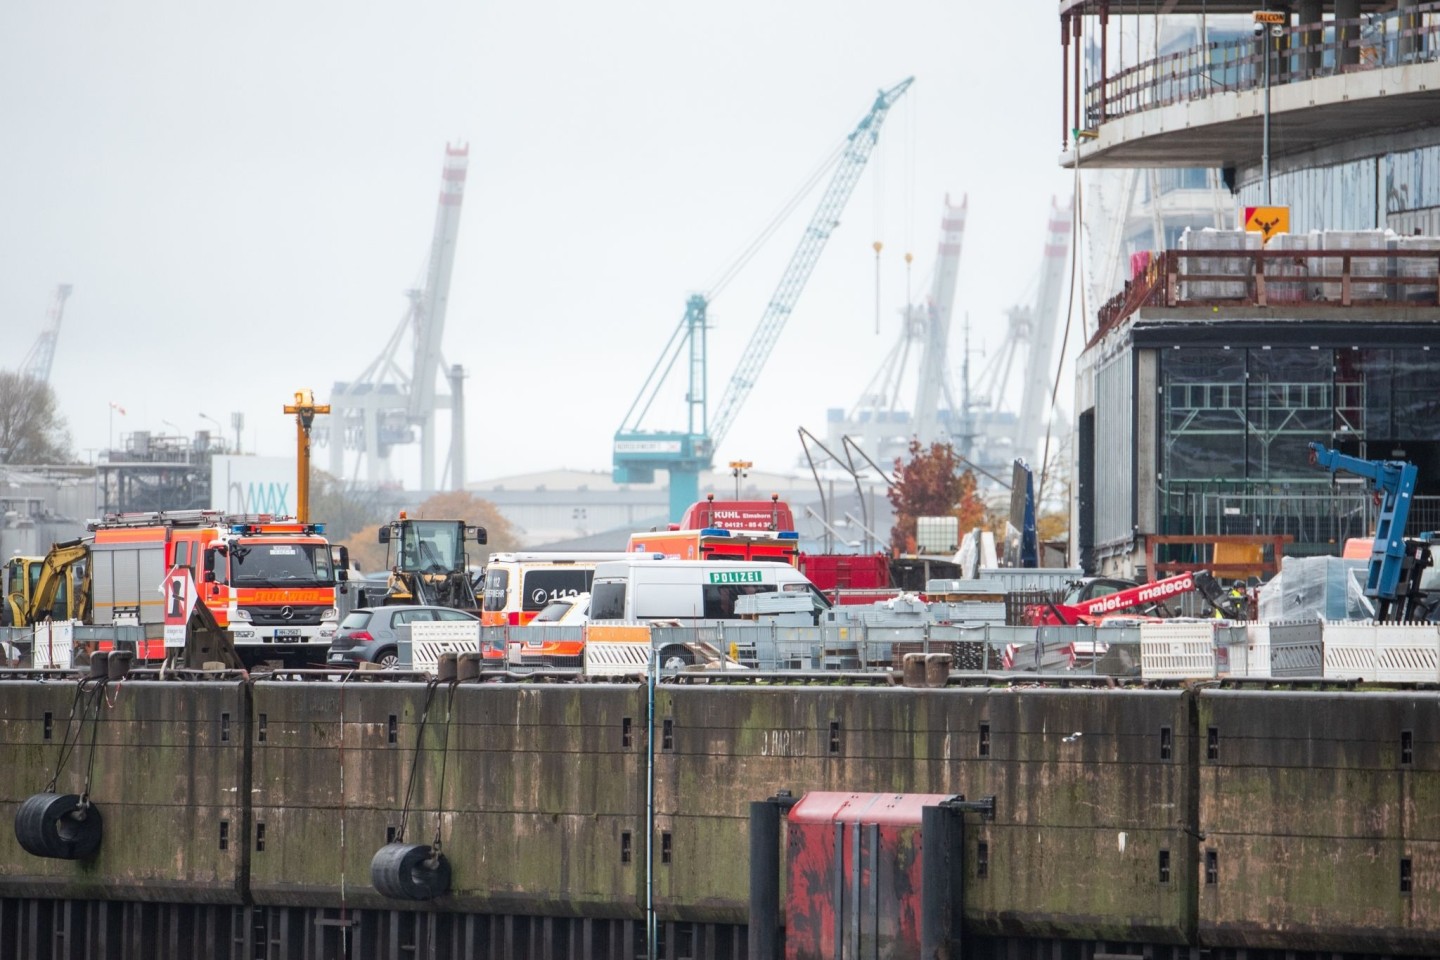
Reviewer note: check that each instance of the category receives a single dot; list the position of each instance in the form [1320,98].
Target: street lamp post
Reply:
[219,430]
[1265,137]
[737,470]
[1269,25]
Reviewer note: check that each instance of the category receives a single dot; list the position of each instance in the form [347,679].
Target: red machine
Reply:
[1084,601]
[765,530]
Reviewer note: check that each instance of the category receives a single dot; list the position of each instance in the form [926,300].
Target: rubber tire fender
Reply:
[59,826]
[410,871]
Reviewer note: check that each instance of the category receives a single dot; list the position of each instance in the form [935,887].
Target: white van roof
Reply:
[622,568]
[556,556]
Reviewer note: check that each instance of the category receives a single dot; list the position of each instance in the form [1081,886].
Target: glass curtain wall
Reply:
[1235,429]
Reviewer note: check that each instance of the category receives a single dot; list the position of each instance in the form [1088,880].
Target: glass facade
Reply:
[1367,194]
[1235,427]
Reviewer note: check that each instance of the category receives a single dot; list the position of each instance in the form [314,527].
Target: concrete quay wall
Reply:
[1302,820]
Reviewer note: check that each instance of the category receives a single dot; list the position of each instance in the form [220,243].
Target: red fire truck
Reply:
[727,530]
[271,581]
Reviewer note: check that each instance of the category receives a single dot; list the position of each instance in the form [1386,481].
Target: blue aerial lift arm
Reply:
[1394,484]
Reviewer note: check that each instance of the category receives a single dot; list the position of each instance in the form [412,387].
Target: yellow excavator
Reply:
[53,587]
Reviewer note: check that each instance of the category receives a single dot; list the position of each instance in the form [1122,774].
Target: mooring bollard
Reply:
[468,666]
[118,664]
[937,669]
[913,670]
[445,668]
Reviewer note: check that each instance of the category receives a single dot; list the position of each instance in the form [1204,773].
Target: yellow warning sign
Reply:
[1267,221]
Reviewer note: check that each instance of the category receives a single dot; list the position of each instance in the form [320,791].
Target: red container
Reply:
[853,875]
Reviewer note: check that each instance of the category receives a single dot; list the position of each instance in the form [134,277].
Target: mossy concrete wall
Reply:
[1310,804]
[1085,802]
[1107,802]
[169,768]
[533,788]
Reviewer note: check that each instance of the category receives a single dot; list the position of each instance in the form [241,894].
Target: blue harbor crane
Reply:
[684,454]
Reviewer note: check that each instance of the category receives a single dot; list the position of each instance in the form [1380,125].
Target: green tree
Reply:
[932,484]
[31,428]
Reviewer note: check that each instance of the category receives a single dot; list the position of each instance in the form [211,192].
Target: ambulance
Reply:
[520,585]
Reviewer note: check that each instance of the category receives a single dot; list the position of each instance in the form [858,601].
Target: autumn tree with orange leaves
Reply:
[932,484]
[366,549]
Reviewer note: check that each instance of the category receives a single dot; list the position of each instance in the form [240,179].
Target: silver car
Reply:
[373,634]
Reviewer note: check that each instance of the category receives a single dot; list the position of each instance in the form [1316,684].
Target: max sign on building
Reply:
[241,485]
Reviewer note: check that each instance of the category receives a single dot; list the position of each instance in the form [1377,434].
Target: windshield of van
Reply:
[720,600]
[259,564]
[497,582]
[607,600]
[818,601]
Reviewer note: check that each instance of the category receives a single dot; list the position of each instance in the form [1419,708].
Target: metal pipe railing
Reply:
[1301,52]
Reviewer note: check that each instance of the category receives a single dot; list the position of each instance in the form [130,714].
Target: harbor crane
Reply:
[638,453]
[42,352]
[1032,333]
[380,408]
[878,419]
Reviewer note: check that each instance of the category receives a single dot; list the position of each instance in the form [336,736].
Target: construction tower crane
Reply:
[1032,331]
[42,352]
[381,408]
[878,418]
[639,453]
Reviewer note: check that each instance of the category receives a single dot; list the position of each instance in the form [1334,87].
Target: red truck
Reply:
[765,530]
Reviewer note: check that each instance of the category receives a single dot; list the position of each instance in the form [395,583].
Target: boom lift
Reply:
[1082,603]
[638,454]
[1393,558]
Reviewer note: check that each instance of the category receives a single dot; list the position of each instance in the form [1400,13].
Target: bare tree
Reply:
[31,428]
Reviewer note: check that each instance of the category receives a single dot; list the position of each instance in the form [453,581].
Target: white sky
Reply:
[241,192]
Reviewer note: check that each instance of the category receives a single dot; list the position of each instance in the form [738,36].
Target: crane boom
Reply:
[42,352]
[802,262]
[685,454]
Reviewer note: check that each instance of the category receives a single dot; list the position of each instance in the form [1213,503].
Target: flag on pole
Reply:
[116,406]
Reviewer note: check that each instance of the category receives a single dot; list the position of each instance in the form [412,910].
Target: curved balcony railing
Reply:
[1299,53]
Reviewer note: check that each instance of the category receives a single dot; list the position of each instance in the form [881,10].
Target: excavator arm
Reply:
[53,573]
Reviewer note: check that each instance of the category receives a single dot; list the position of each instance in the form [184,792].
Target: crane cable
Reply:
[780,216]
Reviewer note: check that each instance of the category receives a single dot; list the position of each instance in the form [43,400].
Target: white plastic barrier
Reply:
[1182,650]
[430,638]
[1383,652]
[54,645]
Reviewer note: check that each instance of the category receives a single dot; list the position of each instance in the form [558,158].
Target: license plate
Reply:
[287,636]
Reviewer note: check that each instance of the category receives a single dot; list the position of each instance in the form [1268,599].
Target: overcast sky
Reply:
[240,194]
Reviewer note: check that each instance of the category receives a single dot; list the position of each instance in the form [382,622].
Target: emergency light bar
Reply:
[243,529]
